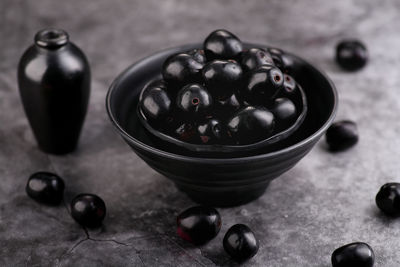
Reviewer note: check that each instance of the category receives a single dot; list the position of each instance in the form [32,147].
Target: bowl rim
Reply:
[162,153]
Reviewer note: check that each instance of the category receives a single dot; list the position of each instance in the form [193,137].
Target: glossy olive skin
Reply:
[88,210]
[356,254]
[388,199]
[155,102]
[198,224]
[231,103]
[156,105]
[181,69]
[221,44]
[351,55]
[157,83]
[240,243]
[254,58]
[285,112]
[284,62]
[210,132]
[276,55]
[250,125]
[222,78]
[194,100]
[186,132]
[45,187]
[198,55]
[342,135]
[54,85]
[289,84]
[262,85]
[225,108]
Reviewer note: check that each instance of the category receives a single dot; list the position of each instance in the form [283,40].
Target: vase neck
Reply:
[51,38]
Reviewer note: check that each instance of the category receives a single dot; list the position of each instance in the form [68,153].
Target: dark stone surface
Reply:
[327,200]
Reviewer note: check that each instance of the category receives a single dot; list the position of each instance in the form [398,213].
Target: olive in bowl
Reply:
[236,87]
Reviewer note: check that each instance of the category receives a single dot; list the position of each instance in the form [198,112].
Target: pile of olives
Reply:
[223,93]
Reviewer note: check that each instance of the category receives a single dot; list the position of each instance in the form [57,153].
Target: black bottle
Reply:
[54,84]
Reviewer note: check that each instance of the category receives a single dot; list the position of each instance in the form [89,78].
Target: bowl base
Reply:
[224,198]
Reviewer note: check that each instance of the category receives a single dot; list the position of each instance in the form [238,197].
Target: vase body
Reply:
[54,85]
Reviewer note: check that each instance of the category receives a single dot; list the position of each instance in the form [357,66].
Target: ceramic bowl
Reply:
[210,178]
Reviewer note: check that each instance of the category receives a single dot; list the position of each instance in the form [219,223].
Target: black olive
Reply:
[210,132]
[289,84]
[222,78]
[155,102]
[45,187]
[388,199]
[286,63]
[262,85]
[240,243]
[221,44]
[251,124]
[285,112]
[198,55]
[254,58]
[351,55]
[88,210]
[342,135]
[181,69]
[356,254]
[194,100]
[199,224]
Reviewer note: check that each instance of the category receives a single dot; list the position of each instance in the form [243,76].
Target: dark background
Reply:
[327,200]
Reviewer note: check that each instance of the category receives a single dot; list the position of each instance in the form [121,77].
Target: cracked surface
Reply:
[325,201]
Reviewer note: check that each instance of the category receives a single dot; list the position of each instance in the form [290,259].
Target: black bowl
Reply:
[230,180]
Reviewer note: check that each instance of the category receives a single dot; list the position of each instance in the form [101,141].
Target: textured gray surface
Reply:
[325,201]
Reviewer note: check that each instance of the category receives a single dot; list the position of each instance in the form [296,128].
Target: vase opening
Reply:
[51,38]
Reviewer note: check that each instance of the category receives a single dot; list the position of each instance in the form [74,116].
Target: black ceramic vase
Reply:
[54,84]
